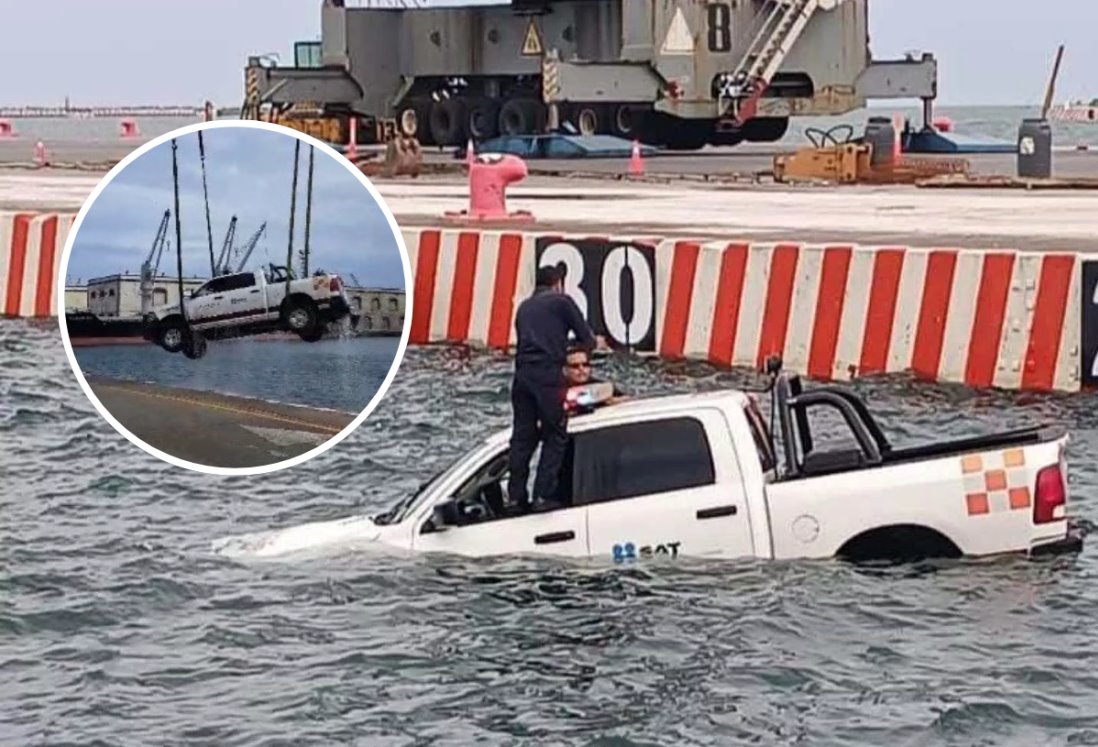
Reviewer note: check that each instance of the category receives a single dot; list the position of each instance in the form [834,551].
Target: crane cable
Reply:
[206,196]
[308,215]
[178,232]
[293,209]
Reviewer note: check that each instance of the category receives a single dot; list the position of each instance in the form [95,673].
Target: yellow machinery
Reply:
[852,162]
[403,155]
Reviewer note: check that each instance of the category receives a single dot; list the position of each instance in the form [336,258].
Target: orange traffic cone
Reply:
[636,162]
[352,145]
[897,141]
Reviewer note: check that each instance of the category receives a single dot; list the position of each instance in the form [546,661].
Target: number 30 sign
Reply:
[612,282]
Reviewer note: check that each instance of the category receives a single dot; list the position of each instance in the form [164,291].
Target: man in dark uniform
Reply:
[542,322]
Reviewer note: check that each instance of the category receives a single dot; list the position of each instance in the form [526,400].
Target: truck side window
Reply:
[240,280]
[759,434]
[217,285]
[625,461]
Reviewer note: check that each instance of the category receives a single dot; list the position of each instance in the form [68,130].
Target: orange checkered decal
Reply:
[996,482]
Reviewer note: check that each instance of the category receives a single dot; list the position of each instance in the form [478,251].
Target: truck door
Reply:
[489,532]
[274,289]
[205,307]
[243,300]
[667,485]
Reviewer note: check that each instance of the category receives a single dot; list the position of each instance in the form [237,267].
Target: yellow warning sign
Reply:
[531,44]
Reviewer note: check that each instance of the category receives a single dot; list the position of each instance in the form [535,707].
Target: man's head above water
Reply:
[577,367]
[549,277]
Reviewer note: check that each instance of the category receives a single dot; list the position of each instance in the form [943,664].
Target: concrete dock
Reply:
[977,218]
[744,158]
[216,430]
[967,218]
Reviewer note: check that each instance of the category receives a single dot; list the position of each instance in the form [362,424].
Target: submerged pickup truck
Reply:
[702,475]
[245,303]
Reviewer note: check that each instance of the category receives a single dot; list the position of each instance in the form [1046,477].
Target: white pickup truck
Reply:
[244,303]
[700,475]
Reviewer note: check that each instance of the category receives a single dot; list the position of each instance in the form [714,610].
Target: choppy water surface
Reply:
[117,626]
[342,374]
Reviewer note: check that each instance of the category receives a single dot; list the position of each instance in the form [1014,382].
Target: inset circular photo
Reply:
[234,297]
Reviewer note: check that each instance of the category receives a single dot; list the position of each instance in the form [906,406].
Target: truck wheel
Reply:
[483,119]
[313,335]
[300,315]
[195,347]
[521,117]
[448,122]
[172,334]
[765,129]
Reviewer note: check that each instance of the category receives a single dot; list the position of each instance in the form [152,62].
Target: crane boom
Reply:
[152,263]
[249,245]
[226,248]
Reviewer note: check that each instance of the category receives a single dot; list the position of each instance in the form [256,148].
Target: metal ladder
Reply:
[784,20]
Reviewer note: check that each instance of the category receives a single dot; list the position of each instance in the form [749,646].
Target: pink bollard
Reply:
[6,130]
[40,158]
[489,175]
[129,128]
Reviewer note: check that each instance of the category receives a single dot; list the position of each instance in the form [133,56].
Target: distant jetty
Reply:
[91,112]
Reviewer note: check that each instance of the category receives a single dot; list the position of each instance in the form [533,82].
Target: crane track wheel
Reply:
[521,117]
[765,129]
[483,118]
[448,122]
[588,119]
[414,120]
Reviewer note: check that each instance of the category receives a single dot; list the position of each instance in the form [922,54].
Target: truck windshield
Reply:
[407,505]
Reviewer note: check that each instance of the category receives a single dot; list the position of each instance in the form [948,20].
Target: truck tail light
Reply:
[334,285]
[1051,496]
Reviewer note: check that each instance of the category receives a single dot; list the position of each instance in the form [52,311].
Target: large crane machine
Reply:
[679,74]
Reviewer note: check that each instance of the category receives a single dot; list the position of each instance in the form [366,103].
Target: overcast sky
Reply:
[249,173]
[122,51]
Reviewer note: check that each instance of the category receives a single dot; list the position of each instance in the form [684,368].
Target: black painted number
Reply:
[1089,351]
[597,282]
[720,27]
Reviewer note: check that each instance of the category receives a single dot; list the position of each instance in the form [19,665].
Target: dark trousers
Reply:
[538,410]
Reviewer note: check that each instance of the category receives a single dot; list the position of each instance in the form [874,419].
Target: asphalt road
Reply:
[216,430]
[743,159]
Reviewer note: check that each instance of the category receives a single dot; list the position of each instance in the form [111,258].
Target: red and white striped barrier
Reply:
[30,259]
[983,318]
[466,284]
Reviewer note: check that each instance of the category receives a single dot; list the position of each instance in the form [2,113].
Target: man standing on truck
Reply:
[542,323]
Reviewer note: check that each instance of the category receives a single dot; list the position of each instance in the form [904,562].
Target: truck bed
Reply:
[819,463]
[1003,440]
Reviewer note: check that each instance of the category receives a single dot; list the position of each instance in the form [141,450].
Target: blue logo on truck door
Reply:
[629,551]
